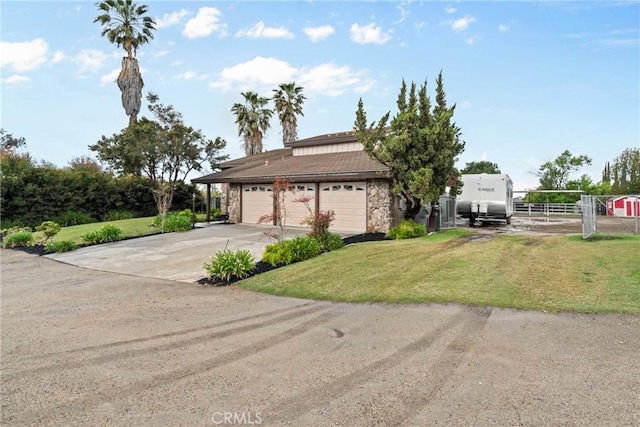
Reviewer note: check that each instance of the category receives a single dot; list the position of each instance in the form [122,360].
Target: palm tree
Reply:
[125,24]
[288,100]
[252,119]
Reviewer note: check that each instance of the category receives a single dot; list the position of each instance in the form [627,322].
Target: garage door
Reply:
[297,211]
[257,200]
[349,201]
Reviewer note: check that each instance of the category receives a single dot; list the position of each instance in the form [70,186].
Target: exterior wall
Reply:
[327,148]
[233,202]
[380,206]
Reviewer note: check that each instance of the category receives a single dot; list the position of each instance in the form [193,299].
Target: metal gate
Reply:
[447,212]
[588,216]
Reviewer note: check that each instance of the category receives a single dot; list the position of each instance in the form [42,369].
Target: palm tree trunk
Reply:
[131,84]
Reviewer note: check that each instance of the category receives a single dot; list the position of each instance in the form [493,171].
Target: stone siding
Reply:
[380,205]
[233,202]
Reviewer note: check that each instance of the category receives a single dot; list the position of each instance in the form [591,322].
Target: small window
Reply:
[263,188]
[325,188]
[247,189]
[336,187]
[311,189]
[348,187]
[269,189]
[254,188]
[359,187]
[301,187]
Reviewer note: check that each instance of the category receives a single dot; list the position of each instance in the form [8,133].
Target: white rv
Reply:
[486,197]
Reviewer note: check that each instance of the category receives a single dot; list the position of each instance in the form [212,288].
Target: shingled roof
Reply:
[349,165]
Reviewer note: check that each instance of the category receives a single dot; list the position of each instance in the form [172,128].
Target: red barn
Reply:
[623,206]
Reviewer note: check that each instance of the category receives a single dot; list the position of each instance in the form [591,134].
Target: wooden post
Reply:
[208,202]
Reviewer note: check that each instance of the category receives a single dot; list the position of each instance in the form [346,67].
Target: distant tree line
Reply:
[32,193]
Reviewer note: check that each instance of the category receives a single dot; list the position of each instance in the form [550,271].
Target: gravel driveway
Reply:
[83,347]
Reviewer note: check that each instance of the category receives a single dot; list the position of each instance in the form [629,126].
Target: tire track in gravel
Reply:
[442,370]
[167,334]
[123,354]
[299,405]
[100,397]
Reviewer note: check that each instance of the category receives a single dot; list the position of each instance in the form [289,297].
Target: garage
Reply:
[297,211]
[349,201]
[257,200]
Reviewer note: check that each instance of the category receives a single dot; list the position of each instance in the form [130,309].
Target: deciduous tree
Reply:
[482,166]
[626,172]
[555,174]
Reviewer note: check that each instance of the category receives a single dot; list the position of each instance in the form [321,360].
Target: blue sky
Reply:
[530,79]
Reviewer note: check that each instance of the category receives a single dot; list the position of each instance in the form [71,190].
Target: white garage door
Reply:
[257,200]
[349,201]
[297,211]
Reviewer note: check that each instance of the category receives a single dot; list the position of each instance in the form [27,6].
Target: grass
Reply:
[130,228]
[549,273]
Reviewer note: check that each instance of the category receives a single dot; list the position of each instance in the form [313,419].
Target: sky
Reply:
[529,79]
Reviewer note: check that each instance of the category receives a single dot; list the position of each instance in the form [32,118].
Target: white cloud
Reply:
[261,74]
[462,23]
[369,34]
[169,19]
[90,60]
[261,31]
[23,56]
[403,7]
[472,39]
[450,9]
[503,28]
[161,53]
[15,80]
[484,156]
[176,63]
[466,104]
[319,33]
[206,22]
[58,56]
[420,24]
[260,71]
[109,78]
[190,75]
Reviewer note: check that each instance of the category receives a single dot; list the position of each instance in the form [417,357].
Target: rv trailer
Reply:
[486,197]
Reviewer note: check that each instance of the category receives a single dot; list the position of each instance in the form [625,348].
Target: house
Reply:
[333,170]
[623,206]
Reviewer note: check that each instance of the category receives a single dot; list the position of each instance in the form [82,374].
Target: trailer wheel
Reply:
[472,220]
[508,220]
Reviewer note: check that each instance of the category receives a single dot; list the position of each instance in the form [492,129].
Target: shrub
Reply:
[118,215]
[70,218]
[15,229]
[227,265]
[297,249]
[175,221]
[319,221]
[216,212]
[63,246]
[407,229]
[18,239]
[49,229]
[277,254]
[108,233]
[329,241]
[303,247]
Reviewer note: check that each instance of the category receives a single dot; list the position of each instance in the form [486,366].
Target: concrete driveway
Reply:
[173,256]
[91,348]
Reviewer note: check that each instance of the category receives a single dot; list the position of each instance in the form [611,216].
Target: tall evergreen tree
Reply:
[419,145]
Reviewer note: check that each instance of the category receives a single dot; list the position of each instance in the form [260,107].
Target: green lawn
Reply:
[129,227]
[552,273]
